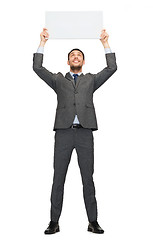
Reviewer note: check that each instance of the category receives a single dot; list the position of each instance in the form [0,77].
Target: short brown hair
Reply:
[77,50]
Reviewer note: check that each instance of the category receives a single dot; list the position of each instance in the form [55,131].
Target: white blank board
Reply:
[74,24]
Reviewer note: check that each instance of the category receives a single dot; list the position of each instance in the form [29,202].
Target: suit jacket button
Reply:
[74,104]
[75,92]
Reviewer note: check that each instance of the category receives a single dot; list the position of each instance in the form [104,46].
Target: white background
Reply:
[123,144]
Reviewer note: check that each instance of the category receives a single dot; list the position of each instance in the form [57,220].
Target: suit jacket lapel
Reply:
[70,78]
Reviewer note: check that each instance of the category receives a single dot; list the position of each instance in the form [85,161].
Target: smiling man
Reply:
[76,60]
[74,124]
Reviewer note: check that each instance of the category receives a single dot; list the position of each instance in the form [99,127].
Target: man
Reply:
[74,122]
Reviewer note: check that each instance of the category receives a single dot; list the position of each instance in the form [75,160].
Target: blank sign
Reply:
[74,24]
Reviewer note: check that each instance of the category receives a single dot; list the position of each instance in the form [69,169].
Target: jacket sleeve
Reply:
[42,72]
[107,72]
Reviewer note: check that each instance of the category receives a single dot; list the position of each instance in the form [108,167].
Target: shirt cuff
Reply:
[40,50]
[107,50]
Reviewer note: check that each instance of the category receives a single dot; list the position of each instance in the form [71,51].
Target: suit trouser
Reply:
[65,141]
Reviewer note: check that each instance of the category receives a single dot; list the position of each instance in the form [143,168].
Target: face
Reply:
[76,61]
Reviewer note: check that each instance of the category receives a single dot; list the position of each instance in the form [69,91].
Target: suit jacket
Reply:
[75,99]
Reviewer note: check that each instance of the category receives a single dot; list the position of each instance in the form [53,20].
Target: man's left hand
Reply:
[104,38]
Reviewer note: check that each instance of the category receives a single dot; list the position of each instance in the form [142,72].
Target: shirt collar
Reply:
[73,73]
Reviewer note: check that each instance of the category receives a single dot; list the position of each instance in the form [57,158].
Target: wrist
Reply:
[42,44]
[106,45]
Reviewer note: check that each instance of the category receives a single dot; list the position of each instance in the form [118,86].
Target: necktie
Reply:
[75,77]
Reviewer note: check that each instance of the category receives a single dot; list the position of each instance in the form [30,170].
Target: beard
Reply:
[77,68]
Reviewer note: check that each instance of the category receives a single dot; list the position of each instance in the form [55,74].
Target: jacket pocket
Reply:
[60,107]
[89,105]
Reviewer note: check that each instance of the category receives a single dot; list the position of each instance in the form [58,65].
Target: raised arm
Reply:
[111,68]
[41,71]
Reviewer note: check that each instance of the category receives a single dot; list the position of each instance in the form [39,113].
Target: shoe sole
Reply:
[57,230]
[91,230]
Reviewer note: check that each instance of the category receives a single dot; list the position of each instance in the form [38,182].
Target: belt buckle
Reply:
[74,125]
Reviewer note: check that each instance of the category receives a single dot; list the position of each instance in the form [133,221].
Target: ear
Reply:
[83,62]
[68,62]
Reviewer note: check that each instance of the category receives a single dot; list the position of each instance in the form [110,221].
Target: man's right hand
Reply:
[44,35]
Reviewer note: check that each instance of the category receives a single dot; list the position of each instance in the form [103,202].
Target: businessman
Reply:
[74,124]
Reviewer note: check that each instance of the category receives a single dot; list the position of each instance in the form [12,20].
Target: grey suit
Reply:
[74,99]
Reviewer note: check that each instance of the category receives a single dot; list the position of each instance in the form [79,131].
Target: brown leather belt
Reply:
[76,126]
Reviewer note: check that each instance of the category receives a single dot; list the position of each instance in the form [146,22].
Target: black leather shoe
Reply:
[95,228]
[52,228]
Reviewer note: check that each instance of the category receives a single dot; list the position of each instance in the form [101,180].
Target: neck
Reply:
[76,70]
